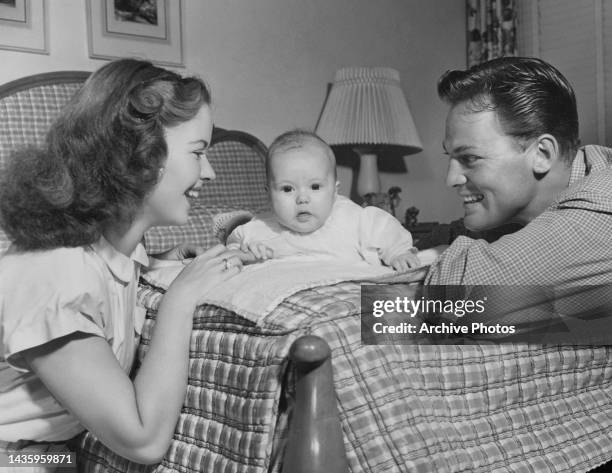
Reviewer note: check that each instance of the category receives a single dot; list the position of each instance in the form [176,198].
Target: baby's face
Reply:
[302,188]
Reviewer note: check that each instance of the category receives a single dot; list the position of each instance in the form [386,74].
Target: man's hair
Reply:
[101,157]
[530,98]
[296,139]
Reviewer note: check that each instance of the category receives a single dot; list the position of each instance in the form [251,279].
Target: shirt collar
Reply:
[590,159]
[120,265]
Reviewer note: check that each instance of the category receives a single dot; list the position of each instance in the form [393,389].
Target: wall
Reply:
[269,61]
[584,57]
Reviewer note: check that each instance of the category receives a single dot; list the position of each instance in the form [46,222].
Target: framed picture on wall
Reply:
[23,26]
[146,29]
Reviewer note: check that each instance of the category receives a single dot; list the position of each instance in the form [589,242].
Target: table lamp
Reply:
[367,110]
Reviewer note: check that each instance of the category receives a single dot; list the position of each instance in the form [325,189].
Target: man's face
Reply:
[490,170]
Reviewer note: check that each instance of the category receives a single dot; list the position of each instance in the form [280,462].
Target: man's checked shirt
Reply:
[568,245]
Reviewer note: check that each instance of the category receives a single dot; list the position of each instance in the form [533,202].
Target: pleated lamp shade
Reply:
[366,106]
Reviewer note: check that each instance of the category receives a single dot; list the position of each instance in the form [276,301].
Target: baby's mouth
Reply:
[303,216]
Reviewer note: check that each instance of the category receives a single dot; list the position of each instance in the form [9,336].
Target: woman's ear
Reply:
[337,187]
[546,154]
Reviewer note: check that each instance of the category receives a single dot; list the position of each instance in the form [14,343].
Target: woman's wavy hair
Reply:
[101,157]
[530,96]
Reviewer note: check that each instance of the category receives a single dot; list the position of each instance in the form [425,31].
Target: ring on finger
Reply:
[226,264]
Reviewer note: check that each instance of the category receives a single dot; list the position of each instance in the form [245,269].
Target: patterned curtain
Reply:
[491,29]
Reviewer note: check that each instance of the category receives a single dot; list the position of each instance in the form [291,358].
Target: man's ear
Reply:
[546,154]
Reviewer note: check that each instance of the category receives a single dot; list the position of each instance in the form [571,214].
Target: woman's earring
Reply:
[161,172]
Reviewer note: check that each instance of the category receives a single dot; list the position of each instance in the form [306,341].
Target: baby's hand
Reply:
[405,261]
[184,251]
[429,255]
[259,250]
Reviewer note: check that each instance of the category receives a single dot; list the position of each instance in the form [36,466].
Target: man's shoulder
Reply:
[593,192]
[596,156]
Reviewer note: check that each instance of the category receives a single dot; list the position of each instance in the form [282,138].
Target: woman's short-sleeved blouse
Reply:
[45,295]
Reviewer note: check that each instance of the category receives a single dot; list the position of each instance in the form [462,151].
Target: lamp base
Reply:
[368,181]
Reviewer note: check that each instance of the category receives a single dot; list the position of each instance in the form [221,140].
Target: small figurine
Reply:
[379,200]
[411,216]
[394,198]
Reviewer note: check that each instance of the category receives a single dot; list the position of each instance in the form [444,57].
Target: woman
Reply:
[124,156]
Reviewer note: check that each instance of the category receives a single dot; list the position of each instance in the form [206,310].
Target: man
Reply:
[512,140]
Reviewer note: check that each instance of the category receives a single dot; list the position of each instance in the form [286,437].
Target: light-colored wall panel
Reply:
[269,61]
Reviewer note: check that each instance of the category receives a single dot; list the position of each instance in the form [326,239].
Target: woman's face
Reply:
[185,168]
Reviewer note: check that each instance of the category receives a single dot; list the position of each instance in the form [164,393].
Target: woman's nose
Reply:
[207,173]
[454,174]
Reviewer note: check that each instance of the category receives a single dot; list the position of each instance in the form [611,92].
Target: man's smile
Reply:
[472,198]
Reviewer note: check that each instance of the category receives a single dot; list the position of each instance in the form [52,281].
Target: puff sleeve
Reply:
[46,295]
[382,232]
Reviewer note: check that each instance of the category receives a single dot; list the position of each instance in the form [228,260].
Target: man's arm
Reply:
[562,247]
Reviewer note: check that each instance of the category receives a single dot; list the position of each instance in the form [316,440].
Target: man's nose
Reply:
[207,173]
[454,174]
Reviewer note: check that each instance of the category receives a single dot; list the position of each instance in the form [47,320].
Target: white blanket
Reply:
[259,288]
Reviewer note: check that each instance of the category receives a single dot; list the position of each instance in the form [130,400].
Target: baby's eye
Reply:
[286,188]
[316,187]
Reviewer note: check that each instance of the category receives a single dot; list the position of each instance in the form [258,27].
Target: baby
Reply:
[310,218]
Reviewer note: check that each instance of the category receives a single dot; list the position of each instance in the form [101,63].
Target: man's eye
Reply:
[468,160]
[199,154]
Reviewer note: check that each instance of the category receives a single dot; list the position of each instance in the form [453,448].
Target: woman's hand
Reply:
[204,272]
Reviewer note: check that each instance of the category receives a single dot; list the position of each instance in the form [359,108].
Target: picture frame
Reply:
[23,26]
[146,29]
